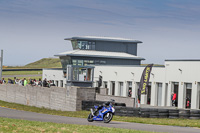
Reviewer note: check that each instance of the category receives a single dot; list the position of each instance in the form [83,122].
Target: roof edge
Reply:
[111,39]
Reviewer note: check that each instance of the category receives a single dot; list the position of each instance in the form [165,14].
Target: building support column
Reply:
[125,89]
[109,87]
[134,91]
[163,94]
[194,97]
[153,94]
[169,92]
[116,88]
[181,91]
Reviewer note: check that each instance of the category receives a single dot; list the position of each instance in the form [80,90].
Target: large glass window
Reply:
[76,73]
[82,62]
[90,45]
[64,62]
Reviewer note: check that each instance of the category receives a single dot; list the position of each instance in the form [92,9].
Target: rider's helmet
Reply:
[112,101]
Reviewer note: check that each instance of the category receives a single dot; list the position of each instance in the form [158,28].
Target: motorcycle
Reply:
[104,114]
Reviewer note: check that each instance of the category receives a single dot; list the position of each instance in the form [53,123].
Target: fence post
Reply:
[1,64]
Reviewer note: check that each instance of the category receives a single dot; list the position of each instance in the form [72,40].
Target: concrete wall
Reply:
[65,99]
[130,102]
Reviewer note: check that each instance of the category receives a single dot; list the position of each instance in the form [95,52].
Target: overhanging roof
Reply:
[111,39]
[102,54]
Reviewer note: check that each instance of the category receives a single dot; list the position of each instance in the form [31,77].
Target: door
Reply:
[176,92]
[166,94]
[188,94]
[113,88]
[149,94]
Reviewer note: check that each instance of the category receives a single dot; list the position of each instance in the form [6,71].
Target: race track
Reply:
[17,114]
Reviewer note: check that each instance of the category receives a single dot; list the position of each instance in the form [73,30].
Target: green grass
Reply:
[84,114]
[25,126]
[42,63]
[21,72]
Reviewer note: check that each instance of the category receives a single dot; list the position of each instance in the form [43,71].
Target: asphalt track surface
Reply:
[17,114]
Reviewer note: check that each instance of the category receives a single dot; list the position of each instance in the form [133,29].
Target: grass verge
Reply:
[21,72]
[84,114]
[14,125]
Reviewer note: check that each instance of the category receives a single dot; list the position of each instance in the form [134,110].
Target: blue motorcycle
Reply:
[104,114]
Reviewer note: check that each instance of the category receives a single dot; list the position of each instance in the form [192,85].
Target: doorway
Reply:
[166,93]
[188,95]
[175,91]
[149,94]
[113,88]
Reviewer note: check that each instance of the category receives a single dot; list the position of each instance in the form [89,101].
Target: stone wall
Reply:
[65,99]
[130,102]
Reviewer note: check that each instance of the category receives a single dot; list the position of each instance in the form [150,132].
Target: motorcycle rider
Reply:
[111,102]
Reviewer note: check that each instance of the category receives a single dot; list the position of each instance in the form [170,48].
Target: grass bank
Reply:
[21,72]
[84,114]
[13,125]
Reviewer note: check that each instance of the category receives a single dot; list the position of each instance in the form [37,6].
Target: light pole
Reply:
[1,64]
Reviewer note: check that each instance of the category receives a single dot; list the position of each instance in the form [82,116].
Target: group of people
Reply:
[24,82]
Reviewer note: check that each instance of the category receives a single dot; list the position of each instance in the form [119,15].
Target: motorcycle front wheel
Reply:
[90,118]
[107,117]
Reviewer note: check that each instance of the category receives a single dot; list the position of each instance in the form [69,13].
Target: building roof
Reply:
[103,54]
[111,39]
[182,60]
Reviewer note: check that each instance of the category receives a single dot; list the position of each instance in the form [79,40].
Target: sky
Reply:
[34,29]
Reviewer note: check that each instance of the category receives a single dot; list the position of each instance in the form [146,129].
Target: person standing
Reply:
[174,99]
[3,81]
[25,82]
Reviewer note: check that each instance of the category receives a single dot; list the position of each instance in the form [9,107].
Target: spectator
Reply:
[3,81]
[15,80]
[10,81]
[45,84]
[39,82]
[20,82]
[129,93]
[25,82]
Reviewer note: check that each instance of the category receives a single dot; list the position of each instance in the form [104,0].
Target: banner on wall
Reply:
[144,81]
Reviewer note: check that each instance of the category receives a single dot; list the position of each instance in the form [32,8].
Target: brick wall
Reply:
[66,99]
[130,102]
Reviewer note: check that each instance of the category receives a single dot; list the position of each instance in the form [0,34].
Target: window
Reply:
[105,84]
[80,62]
[88,62]
[74,62]
[100,62]
[90,45]
[64,62]
[75,73]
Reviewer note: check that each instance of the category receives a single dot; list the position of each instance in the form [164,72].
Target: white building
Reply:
[179,76]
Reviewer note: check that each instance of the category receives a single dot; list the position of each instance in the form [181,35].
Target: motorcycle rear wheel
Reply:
[90,118]
[107,117]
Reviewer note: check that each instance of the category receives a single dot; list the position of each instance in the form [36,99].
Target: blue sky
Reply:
[34,29]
